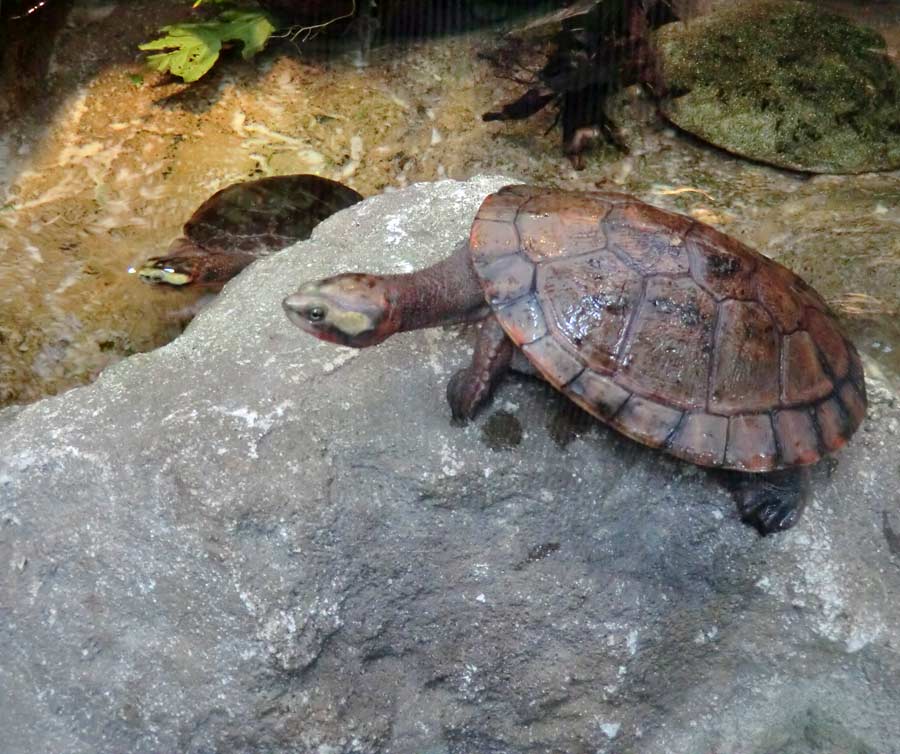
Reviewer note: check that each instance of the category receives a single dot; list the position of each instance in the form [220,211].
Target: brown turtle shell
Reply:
[266,214]
[675,334]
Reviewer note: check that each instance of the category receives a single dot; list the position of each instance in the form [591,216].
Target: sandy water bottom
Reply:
[122,158]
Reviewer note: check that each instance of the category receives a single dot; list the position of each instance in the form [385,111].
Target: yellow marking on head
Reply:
[349,323]
[157,275]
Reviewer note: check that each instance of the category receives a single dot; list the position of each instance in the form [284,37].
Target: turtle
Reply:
[243,222]
[669,331]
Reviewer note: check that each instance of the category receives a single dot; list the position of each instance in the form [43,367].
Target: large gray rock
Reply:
[251,541]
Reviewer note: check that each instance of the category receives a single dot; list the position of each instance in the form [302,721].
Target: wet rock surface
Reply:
[251,541]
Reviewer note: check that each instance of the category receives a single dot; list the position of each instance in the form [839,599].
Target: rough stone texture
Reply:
[251,541]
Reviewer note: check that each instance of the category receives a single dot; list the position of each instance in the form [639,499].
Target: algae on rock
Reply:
[785,83]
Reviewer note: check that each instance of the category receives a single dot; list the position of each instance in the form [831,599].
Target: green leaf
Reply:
[251,28]
[191,49]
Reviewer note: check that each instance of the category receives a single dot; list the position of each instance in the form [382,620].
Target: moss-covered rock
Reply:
[785,83]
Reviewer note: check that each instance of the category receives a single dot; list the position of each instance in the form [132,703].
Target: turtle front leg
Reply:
[772,502]
[470,388]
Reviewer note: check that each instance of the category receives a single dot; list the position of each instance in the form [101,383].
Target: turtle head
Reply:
[186,263]
[177,271]
[352,309]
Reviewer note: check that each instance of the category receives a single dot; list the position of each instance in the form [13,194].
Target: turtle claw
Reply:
[772,504]
[768,515]
[463,396]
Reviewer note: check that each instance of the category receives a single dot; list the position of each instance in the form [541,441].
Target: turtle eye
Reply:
[315,314]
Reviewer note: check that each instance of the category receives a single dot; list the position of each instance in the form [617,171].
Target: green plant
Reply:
[189,50]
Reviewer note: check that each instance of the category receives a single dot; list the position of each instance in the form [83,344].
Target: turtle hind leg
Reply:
[471,387]
[772,502]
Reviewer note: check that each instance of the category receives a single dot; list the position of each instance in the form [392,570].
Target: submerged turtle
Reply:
[673,333]
[244,222]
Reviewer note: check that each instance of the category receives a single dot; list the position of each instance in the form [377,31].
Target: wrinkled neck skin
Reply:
[444,294]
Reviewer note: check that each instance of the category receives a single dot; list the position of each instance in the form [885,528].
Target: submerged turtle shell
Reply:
[267,214]
[675,334]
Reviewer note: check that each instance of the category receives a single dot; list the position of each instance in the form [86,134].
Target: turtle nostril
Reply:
[293,304]
[293,313]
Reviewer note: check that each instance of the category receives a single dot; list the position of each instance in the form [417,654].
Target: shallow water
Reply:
[122,158]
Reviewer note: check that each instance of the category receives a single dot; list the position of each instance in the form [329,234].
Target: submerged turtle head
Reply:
[187,264]
[168,270]
[351,309]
